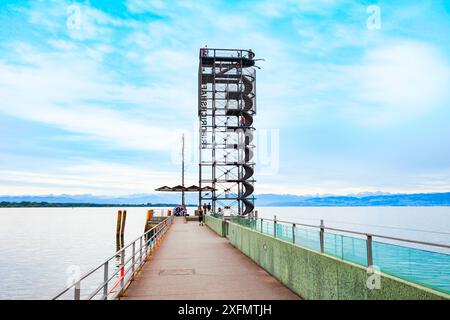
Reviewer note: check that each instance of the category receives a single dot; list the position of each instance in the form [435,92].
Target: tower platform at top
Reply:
[208,57]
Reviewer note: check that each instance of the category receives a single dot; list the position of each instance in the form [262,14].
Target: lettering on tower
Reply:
[203,115]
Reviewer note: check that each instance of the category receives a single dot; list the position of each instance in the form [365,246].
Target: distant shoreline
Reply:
[169,205]
[83,205]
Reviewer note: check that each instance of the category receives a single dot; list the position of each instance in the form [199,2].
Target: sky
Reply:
[352,96]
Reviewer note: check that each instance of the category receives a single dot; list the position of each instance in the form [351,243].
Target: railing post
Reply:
[122,269]
[322,232]
[262,222]
[140,251]
[105,280]
[369,251]
[133,260]
[151,242]
[77,292]
[275,226]
[293,233]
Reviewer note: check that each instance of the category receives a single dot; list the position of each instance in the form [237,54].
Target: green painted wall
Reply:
[313,275]
[217,225]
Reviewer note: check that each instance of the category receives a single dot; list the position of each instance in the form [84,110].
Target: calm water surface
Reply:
[38,246]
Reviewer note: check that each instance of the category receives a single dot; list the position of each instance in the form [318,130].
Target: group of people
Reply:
[180,211]
[206,208]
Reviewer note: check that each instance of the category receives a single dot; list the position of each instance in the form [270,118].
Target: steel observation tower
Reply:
[226,108]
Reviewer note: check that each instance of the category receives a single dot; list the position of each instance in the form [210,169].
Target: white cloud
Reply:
[396,83]
[329,179]
[231,22]
[165,62]
[142,6]
[61,90]
[278,9]
[390,84]
[79,21]
[100,178]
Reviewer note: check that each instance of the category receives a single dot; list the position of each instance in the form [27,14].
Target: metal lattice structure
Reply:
[226,107]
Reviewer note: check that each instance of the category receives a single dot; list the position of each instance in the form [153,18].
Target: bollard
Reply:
[119,222]
[124,219]
[119,243]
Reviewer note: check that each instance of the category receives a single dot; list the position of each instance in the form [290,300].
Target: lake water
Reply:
[39,246]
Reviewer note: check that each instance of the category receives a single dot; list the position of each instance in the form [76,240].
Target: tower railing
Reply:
[227,53]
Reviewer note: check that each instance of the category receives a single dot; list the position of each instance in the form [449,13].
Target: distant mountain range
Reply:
[393,200]
[270,200]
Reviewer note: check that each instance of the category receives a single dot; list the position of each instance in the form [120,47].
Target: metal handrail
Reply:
[360,233]
[322,228]
[146,246]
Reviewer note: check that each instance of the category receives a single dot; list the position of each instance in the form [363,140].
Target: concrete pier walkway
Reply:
[193,262]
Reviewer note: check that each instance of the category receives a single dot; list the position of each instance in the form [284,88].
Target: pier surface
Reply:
[194,263]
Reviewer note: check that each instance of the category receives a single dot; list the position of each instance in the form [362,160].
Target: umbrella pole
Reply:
[182,172]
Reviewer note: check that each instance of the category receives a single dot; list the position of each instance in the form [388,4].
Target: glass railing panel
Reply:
[431,269]
[346,248]
[307,238]
[267,228]
[284,232]
[354,250]
[333,244]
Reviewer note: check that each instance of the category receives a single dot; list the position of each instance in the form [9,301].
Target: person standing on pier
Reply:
[209,207]
[205,207]
[200,218]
